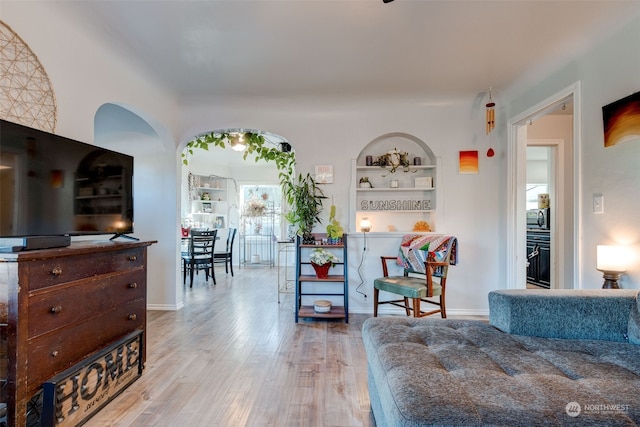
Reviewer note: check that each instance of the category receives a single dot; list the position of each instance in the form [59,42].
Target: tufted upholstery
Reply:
[425,372]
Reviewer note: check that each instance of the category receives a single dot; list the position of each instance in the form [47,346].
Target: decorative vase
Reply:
[322,271]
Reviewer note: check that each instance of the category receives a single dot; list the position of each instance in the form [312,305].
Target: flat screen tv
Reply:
[54,186]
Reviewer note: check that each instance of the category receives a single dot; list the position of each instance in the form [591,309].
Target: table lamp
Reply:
[612,262]
[365,225]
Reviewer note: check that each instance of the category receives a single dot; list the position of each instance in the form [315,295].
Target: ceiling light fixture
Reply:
[236,140]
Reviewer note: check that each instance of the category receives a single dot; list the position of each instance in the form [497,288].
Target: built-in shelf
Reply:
[412,186]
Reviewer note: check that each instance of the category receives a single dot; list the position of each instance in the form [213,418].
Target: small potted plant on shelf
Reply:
[322,260]
[365,183]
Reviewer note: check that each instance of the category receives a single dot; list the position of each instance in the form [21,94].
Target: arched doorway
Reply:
[242,181]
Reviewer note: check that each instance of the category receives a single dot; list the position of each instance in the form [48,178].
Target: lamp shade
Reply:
[611,258]
[365,225]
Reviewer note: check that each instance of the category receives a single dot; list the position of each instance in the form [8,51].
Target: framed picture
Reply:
[206,207]
[468,162]
[324,174]
[423,182]
[622,120]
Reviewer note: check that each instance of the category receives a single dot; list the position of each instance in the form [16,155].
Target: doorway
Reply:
[544,197]
[248,184]
[563,142]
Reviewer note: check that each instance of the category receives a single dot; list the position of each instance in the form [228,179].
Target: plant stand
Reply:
[309,286]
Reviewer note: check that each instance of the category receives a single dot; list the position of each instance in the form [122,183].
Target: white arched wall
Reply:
[403,142]
[121,128]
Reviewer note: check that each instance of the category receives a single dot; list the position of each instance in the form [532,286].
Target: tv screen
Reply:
[51,186]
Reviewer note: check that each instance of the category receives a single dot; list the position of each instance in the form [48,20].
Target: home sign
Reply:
[75,395]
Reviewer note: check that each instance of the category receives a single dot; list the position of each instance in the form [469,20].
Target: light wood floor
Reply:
[235,357]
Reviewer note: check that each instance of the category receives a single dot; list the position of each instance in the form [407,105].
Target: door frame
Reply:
[557,200]
[516,184]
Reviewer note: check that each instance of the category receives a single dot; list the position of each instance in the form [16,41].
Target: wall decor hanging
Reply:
[395,205]
[26,94]
[490,122]
[622,120]
[324,174]
[468,162]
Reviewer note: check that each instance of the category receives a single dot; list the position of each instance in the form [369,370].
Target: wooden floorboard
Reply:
[234,356]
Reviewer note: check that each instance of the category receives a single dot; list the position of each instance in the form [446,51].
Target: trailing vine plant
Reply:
[301,193]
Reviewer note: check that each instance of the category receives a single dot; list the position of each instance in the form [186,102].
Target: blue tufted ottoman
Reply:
[432,372]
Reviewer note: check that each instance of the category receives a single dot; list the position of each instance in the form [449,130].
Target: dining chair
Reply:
[200,255]
[226,256]
[424,274]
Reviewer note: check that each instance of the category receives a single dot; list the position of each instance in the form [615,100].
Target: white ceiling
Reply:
[333,49]
[346,48]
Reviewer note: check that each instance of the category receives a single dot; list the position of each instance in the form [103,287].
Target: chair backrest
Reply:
[230,238]
[202,243]
[439,250]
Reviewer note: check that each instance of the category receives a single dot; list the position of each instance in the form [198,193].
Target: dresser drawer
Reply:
[57,306]
[53,353]
[55,271]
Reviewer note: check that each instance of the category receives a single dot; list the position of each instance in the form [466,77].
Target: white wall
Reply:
[608,71]
[85,75]
[335,134]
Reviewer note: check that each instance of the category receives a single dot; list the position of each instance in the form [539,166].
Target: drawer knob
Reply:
[132,258]
[133,285]
[54,353]
[57,309]
[132,317]
[57,271]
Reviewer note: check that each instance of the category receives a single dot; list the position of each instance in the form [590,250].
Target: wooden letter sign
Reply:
[74,396]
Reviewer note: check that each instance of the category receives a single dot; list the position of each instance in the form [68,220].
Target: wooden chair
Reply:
[226,256]
[200,255]
[428,286]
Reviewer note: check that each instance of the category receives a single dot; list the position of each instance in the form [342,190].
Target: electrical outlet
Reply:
[598,203]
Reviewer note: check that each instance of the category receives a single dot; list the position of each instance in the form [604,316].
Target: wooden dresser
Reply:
[58,306]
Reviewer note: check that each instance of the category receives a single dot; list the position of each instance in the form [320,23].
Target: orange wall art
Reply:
[468,162]
[622,120]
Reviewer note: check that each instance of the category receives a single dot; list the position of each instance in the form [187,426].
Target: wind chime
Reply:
[490,122]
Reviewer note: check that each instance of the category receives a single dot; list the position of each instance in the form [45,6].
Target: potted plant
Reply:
[365,183]
[322,260]
[305,198]
[334,229]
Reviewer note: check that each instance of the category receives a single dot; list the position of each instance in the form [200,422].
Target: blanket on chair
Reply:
[415,249]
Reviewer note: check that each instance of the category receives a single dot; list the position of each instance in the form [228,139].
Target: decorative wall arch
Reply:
[393,199]
[405,140]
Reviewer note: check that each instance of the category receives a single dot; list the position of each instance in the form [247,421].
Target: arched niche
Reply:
[126,129]
[401,200]
[400,141]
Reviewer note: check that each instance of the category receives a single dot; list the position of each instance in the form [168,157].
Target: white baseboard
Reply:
[165,307]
